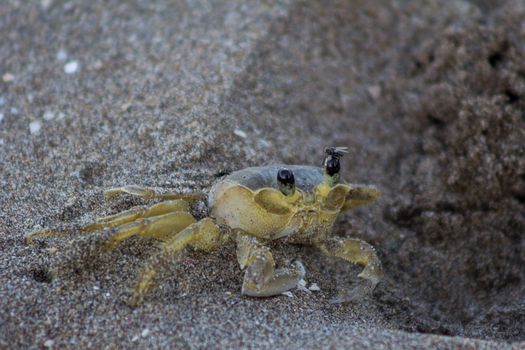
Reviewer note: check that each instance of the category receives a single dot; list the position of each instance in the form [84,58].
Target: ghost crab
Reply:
[291,203]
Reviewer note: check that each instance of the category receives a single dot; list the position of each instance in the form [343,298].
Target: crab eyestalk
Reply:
[332,166]
[286,182]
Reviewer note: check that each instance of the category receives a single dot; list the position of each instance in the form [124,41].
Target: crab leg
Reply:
[203,235]
[161,227]
[360,195]
[152,192]
[118,219]
[358,252]
[261,279]
[145,211]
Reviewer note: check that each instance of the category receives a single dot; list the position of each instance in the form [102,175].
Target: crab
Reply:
[291,203]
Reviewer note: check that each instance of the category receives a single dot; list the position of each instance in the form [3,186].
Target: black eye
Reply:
[286,181]
[332,165]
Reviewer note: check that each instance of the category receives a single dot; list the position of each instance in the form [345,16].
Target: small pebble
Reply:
[52,250]
[46,3]
[48,115]
[61,55]
[144,333]
[34,127]
[301,285]
[288,294]
[2,100]
[8,77]
[314,287]
[374,91]
[14,110]
[125,106]
[71,67]
[240,133]
[264,143]
[1,116]
[49,343]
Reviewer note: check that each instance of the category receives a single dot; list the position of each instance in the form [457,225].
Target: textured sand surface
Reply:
[428,95]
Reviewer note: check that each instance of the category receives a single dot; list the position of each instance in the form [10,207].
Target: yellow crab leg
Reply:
[136,213]
[117,219]
[360,195]
[261,279]
[358,252]
[152,192]
[160,227]
[203,235]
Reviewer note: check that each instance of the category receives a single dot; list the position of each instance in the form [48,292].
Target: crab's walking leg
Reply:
[118,219]
[358,252]
[151,192]
[161,227]
[359,195]
[203,235]
[143,212]
[261,279]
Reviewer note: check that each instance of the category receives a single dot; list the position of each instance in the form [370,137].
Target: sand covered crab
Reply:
[291,203]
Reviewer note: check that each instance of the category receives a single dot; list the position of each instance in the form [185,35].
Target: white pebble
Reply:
[301,285]
[8,77]
[2,100]
[34,127]
[49,343]
[374,91]
[14,110]
[240,133]
[314,287]
[46,3]
[264,143]
[52,250]
[71,67]
[61,55]
[288,294]
[144,333]
[48,115]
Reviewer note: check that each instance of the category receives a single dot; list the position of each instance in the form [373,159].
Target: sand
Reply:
[427,95]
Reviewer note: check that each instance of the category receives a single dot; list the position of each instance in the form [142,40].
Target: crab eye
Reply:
[332,165]
[286,181]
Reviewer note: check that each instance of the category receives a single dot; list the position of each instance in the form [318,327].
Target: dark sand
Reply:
[428,95]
